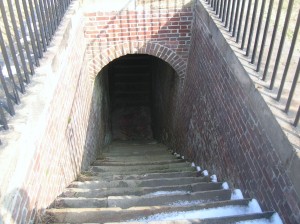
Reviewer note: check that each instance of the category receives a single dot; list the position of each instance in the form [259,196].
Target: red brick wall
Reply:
[218,129]
[213,123]
[164,33]
[74,127]
[165,94]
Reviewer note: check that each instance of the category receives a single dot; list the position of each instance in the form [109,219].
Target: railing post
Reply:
[282,39]
[272,40]
[288,62]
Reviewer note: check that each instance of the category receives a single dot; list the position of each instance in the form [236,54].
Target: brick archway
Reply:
[138,47]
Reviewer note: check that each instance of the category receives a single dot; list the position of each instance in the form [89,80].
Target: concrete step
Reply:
[136,183]
[133,156]
[154,199]
[264,217]
[148,167]
[111,162]
[89,176]
[138,153]
[105,175]
[80,203]
[120,148]
[136,144]
[102,215]
[142,182]
[173,199]
[121,191]
[156,175]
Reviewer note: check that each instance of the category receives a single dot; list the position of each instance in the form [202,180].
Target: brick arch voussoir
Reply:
[138,47]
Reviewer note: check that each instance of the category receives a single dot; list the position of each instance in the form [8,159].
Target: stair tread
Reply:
[143,166]
[140,172]
[240,202]
[142,176]
[254,217]
[159,200]
[122,172]
[107,162]
[152,199]
[117,214]
[97,176]
[138,182]
[104,192]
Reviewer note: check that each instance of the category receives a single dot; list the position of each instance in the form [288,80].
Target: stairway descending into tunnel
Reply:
[142,182]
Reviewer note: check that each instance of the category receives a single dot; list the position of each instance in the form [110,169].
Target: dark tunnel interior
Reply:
[141,89]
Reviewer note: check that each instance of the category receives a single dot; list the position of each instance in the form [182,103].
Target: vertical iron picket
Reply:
[240,22]
[282,39]
[28,30]
[23,32]
[297,117]
[45,19]
[218,7]
[36,31]
[252,28]
[260,20]
[246,24]
[237,17]
[233,14]
[265,35]
[221,9]
[12,47]
[266,69]
[293,87]
[10,106]
[227,13]
[32,37]
[43,23]
[224,10]
[17,39]
[3,118]
[49,16]
[10,74]
[237,10]
[288,62]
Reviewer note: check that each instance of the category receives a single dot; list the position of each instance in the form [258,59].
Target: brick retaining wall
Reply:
[219,130]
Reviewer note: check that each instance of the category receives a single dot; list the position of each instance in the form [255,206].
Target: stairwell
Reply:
[143,181]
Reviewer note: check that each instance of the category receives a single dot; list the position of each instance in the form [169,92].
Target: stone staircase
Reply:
[138,182]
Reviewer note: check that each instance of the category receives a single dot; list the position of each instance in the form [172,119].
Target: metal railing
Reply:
[26,29]
[267,32]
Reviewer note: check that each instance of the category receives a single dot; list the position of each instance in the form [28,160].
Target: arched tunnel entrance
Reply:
[142,89]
